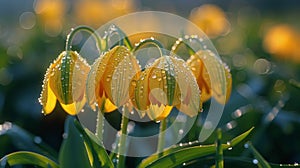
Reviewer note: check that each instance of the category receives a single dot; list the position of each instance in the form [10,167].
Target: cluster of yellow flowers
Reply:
[116,79]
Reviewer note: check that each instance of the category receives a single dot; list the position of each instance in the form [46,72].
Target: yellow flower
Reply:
[199,69]
[211,19]
[51,13]
[283,41]
[167,83]
[109,79]
[65,81]
[97,12]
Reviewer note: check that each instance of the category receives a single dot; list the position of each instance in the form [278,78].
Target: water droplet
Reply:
[246,146]
[180,144]
[37,140]
[180,131]
[183,164]
[230,148]
[65,135]
[255,161]
[154,76]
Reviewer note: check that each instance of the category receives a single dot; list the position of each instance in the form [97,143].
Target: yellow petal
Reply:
[138,90]
[162,76]
[48,98]
[158,112]
[121,69]
[214,71]
[109,106]
[93,82]
[69,108]
[190,102]
[198,68]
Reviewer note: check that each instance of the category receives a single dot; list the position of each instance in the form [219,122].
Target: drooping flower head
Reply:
[209,83]
[109,79]
[165,84]
[65,81]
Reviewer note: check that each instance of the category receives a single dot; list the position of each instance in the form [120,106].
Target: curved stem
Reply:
[150,41]
[180,41]
[123,136]
[123,37]
[161,137]
[90,30]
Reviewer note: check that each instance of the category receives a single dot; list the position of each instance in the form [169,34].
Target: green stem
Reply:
[100,125]
[123,136]
[161,137]
[184,41]
[123,37]
[90,30]
[149,41]
[219,152]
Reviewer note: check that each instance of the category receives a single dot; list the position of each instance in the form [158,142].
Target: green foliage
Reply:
[73,151]
[182,153]
[27,158]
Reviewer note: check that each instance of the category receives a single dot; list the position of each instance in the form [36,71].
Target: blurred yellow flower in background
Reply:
[211,19]
[283,42]
[51,13]
[94,13]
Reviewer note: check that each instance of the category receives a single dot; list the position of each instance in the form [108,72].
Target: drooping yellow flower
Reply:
[109,79]
[167,83]
[65,81]
[207,82]
[211,19]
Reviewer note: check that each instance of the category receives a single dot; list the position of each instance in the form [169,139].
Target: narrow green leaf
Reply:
[96,147]
[261,161]
[27,158]
[182,153]
[73,151]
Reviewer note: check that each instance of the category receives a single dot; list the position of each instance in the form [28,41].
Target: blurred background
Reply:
[259,40]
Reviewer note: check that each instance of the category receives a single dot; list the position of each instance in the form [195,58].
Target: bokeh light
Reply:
[211,19]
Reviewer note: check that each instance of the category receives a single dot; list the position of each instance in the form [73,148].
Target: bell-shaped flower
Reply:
[165,84]
[65,81]
[213,76]
[109,79]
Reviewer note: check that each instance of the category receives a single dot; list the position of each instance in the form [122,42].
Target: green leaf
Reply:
[262,163]
[182,153]
[24,141]
[73,151]
[27,158]
[94,145]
